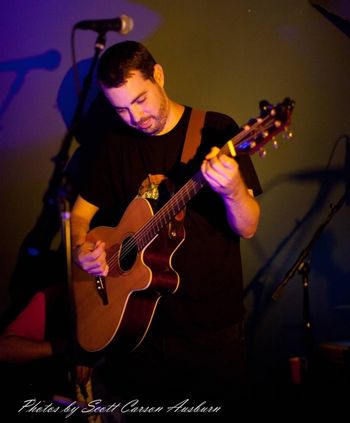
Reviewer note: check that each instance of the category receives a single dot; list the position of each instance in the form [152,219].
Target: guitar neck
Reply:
[252,137]
[176,203]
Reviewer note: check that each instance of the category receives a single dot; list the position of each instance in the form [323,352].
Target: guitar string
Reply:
[143,234]
[142,237]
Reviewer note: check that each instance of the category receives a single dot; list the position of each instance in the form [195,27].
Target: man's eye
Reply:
[141,100]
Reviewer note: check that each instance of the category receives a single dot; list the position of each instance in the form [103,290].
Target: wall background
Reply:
[224,56]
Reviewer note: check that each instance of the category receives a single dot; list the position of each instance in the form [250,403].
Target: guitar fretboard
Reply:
[251,137]
[176,203]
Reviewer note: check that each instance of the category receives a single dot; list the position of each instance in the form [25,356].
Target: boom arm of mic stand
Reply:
[298,265]
[291,272]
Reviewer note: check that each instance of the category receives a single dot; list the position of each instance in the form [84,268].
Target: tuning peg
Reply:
[278,123]
[264,105]
[287,135]
[262,152]
[274,143]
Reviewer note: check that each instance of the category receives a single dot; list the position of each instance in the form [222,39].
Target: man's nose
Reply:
[135,114]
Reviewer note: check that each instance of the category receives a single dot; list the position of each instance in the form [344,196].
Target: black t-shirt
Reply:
[210,293]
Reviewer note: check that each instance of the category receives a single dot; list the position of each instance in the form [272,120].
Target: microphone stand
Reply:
[64,196]
[302,266]
[62,156]
[36,246]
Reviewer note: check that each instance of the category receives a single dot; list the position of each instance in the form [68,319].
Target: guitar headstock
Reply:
[257,132]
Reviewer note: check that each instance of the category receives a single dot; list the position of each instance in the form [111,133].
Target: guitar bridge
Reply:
[101,289]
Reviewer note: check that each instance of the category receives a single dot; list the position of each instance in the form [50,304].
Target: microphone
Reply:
[123,24]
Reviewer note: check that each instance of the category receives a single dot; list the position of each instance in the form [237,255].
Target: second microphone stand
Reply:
[302,266]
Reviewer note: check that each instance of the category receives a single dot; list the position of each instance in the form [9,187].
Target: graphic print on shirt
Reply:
[149,189]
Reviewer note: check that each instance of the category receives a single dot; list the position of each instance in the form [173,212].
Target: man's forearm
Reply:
[243,213]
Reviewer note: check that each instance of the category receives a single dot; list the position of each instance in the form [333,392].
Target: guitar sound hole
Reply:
[128,252]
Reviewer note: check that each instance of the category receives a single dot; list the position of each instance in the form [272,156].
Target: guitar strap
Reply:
[193,135]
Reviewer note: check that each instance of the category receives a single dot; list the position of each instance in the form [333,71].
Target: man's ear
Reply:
[158,74]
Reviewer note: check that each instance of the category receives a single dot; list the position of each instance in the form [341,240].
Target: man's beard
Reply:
[158,121]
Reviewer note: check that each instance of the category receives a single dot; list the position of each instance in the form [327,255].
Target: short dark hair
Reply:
[118,61]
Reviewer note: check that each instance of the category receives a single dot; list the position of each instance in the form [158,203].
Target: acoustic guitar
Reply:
[121,306]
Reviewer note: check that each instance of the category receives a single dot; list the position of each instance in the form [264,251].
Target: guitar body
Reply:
[123,307]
